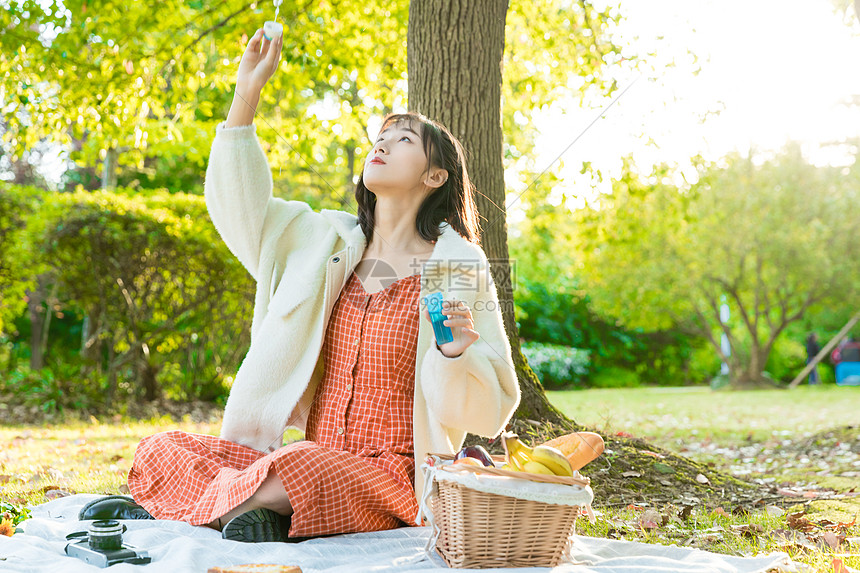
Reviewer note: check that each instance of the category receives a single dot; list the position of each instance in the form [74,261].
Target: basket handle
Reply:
[564,480]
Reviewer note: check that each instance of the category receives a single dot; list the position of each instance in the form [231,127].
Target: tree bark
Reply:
[111,375]
[147,374]
[40,319]
[454,59]
[111,163]
[37,323]
[91,346]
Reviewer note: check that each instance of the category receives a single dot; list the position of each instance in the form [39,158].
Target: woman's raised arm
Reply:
[238,186]
[255,69]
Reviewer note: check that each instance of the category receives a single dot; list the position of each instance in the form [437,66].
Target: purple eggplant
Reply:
[477,452]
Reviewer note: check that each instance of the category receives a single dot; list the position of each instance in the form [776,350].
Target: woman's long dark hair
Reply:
[453,201]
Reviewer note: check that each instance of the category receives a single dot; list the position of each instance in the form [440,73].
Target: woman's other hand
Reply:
[462,327]
[258,66]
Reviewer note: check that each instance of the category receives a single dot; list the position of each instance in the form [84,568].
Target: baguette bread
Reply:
[579,448]
[256,568]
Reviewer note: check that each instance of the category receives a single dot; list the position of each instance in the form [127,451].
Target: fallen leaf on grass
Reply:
[841,526]
[629,474]
[787,538]
[705,536]
[831,539]
[54,474]
[789,492]
[6,478]
[740,510]
[124,489]
[6,527]
[820,542]
[56,494]
[702,479]
[618,528]
[774,510]
[798,520]
[748,529]
[720,511]
[650,519]
[654,454]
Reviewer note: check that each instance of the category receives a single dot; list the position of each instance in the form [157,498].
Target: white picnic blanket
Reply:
[178,547]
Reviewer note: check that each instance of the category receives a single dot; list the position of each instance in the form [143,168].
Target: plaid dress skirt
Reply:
[354,471]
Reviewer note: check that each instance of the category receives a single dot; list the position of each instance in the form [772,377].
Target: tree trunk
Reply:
[747,373]
[147,375]
[91,346]
[37,313]
[49,314]
[40,319]
[111,375]
[454,59]
[110,166]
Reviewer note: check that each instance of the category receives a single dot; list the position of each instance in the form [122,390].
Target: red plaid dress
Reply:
[354,471]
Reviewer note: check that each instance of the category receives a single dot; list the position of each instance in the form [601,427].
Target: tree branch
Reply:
[194,42]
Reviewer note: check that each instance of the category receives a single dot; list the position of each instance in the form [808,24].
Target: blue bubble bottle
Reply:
[434,307]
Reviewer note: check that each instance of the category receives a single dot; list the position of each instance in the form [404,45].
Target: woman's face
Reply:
[396,163]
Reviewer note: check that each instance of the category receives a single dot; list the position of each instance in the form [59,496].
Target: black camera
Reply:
[102,545]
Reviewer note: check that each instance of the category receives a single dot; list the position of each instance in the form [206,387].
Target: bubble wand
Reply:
[272,29]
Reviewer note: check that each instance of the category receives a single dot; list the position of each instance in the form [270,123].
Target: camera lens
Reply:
[105,535]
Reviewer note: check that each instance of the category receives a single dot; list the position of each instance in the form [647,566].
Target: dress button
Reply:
[336,260]
[340,430]
[357,340]
[349,386]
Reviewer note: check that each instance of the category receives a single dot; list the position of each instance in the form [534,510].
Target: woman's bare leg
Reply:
[270,495]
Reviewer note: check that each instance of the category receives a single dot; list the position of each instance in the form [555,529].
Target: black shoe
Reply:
[113,507]
[258,526]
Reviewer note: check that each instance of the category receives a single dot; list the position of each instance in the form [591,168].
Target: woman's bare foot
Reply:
[270,495]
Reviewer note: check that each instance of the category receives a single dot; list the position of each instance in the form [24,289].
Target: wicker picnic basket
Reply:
[477,529]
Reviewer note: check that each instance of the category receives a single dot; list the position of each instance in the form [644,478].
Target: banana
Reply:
[513,464]
[537,468]
[553,459]
[521,456]
[509,442]
[517,463]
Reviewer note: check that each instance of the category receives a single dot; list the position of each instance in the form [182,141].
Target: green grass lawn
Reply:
[671,416]
[81,457]
[747,433]
[778,438]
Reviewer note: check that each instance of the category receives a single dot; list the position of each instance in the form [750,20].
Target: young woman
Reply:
[339,349]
